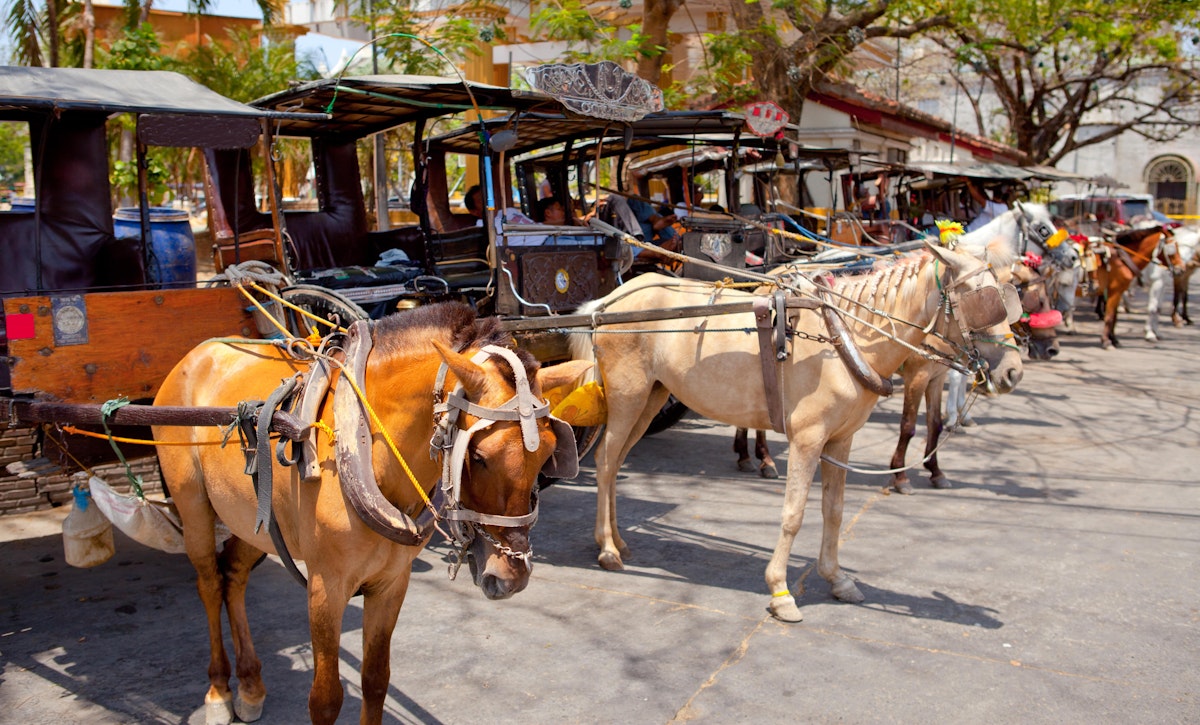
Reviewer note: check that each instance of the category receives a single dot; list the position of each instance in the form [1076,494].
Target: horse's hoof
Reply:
[768,470]
[940,482]
[1151,337]
[746,466]
[246,711]
[218,711]
[968,421]
[846,591]
[903,486]
[1105,344]
[610,561]
[784,609]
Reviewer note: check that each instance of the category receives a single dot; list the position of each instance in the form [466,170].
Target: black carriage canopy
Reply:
[67,241]
[362,105]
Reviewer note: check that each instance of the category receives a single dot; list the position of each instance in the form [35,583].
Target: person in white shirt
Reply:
[989,209]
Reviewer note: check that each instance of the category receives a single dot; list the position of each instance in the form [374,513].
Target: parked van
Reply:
[1088,214]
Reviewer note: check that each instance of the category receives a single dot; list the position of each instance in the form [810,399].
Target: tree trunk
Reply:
[52,31]
[656,21]
[89,34]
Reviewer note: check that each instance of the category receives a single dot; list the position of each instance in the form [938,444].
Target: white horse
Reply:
[1028,228]
[1155,278]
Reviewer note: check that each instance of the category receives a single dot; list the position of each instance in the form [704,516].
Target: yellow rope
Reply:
[387,437]
[297,308]
[320,425]
[135,441]
[270,318]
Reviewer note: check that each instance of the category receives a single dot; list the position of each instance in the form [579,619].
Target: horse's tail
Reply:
[579,341]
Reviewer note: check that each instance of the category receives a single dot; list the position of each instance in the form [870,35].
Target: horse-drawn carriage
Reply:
[432,417]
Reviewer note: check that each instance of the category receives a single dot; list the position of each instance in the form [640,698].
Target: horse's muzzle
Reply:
[501,576]
[1005,378]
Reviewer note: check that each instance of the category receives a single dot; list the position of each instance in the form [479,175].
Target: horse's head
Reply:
[981,313]
[1040,319]
[1040,235]
[1168,253]
[503,436]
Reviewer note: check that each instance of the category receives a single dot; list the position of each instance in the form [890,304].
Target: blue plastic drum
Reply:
[172,253]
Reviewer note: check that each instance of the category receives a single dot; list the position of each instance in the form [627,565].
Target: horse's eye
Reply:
[478,460]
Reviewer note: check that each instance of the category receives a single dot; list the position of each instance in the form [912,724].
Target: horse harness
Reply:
[298,400]
[450,441]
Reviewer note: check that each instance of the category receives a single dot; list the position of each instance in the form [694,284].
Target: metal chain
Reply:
[523,556]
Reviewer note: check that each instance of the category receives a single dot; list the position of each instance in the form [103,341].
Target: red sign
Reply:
[765,118]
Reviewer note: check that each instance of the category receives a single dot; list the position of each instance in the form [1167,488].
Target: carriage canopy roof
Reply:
[112,91]
[363,105]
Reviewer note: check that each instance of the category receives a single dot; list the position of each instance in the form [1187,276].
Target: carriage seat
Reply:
[461,257]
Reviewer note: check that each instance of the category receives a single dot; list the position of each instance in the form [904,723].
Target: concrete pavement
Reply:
[1056,583]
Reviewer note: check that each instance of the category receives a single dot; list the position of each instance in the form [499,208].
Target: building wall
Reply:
[23,494]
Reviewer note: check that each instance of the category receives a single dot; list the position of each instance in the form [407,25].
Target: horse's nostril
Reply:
[1013,377]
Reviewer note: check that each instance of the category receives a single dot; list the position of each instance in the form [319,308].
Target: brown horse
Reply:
[1129,253]
[924,381]
[715,369]
[493,429]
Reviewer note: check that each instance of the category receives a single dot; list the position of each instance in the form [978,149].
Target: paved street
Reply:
[1056,583]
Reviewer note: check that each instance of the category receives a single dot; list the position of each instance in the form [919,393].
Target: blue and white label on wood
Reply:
[70,320]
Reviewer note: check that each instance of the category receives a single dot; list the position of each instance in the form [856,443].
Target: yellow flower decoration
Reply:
[948,231]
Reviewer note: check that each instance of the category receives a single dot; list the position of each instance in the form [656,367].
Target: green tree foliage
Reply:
[591,34]
[1072,73]
[249,65]
[794,45]
[14,138]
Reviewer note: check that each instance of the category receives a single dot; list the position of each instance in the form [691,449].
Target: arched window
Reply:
[1172,181]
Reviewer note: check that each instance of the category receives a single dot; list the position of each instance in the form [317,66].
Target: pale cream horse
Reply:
[718,374]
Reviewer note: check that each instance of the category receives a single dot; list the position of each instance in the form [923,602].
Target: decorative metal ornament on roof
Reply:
[765,118]
[600,90]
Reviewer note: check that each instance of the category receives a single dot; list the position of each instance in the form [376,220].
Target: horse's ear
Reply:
[565,373]
[472,377]
[950,258]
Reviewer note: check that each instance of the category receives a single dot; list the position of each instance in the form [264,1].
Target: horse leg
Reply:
[236,561]
[1154,294]
[914,390]
[199,542]
[933,428]
[833,493]
[741,447]
[630,412]
[381,607]
[1118,284]
[956,400]
[802,464]
[766,464]
[1179,315]
[326,606]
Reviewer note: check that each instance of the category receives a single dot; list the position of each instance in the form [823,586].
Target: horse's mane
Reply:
[454,323]
[883,286]
[987,242]
[1134,237]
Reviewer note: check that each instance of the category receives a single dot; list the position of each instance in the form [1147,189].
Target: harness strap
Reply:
[258,465]
[316,387]
[768,354]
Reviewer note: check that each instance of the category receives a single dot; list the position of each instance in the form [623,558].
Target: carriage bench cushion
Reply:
[358,276]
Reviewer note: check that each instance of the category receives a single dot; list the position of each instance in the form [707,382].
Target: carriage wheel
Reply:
[324,303]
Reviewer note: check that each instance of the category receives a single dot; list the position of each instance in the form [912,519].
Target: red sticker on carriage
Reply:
[19,326]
